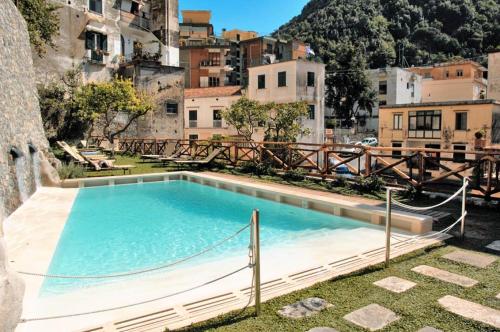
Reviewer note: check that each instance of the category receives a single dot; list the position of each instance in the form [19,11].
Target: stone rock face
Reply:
[304,308]
[23,146]
[21,130]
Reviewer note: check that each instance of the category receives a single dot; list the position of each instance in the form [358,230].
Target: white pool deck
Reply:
[32,233]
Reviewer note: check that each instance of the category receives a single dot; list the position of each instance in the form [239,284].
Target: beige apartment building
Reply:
[238,35]
[292,81]
[494,75]
[203,111]
[452,81]
[441,125]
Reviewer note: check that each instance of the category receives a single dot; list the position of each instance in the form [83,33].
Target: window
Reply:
[269,48]
[95,6]
[447,74]
[97,43]
[311,79]
[459,157]
[427,75]
[312,112]
[238,37]
[193,119]
[134,9]
[382,88]
[213,81]
[398,121]
[261,81]
[382,103]
[434,158]
[172,108]
[281,79]
[461,121]
[408,86]
[395,153]
[193,137]
[424,124]
[460,73]
[217,119]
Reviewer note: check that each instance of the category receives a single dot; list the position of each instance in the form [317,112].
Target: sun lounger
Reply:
[108,165]
[75,155]
[205,161]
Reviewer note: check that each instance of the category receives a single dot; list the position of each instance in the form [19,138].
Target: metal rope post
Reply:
[256,257]
[388,227]
[464,200]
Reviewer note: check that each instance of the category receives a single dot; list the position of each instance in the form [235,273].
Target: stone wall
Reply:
[23,145]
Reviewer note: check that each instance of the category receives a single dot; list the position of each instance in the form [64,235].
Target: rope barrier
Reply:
[126,274]
[425,208]
[25,320]
[428,236]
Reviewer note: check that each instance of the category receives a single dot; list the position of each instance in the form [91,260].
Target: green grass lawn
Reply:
[418,307]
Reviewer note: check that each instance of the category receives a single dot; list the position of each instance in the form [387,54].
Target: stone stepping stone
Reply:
[322,329]
[495,246]
[372,317]
[429,329]
[446,276]
[471,310]
[305,308]
[471,258]
[395,284]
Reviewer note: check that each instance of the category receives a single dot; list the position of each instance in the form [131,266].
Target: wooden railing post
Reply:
[368,163]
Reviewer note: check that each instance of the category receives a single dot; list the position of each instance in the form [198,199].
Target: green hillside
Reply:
[428,30]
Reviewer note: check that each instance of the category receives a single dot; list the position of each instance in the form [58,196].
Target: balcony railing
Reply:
[210,63]
[217,123]
[193,124]
[138,21]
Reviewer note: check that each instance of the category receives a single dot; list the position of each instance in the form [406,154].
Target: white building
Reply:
[292,81]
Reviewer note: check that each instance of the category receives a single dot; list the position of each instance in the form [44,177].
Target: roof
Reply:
[444,103]
[452,63]
[221,91]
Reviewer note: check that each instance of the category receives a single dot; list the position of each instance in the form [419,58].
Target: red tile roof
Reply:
[222,91]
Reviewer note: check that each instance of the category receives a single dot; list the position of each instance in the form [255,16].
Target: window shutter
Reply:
[89,40]
[104,42]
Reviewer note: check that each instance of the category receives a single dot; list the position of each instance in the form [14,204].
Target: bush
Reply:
[294,175]
[369,185]
[71,171]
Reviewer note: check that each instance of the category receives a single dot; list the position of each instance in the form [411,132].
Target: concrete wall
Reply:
[452,90]
[494,76]
[296,89]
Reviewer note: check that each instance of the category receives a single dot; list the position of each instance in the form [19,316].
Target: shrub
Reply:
[294,175]
[369,185]
[71,171]
[257,169]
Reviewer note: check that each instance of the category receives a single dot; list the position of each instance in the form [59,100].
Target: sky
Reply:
[263,16]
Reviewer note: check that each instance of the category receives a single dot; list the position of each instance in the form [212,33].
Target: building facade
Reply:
[452,81]
[393,86]
[440,125]
[266,50]
[238,35]
[494,75]
[106,37]
[293,81]
[203,112]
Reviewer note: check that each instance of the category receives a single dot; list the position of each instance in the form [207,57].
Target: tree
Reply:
[348,84]
[42,21]
[285,123]
[111,107]
[245,116]
[58,109]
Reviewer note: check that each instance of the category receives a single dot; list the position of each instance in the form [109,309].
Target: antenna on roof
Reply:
[402,59]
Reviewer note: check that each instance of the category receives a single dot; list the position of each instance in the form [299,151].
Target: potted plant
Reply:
[480,141]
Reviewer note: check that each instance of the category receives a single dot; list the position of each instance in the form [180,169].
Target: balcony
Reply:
[134,20]
[193,124]
[210,63]
[217,124]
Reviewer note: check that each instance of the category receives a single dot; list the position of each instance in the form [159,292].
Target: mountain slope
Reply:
[427,30]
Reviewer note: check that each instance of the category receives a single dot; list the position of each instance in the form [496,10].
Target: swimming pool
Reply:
[115,229]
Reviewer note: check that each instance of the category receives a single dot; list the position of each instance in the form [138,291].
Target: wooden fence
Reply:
[422,168]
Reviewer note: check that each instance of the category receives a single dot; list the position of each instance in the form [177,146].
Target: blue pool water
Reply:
[116,229]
